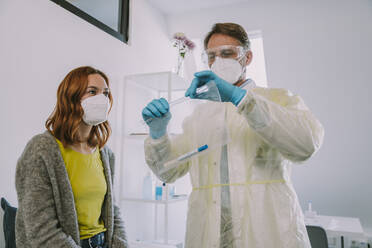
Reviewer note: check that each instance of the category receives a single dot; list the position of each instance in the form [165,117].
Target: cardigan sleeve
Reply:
[36,211]
[119,236]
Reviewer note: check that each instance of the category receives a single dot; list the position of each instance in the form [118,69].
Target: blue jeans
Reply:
[97,241]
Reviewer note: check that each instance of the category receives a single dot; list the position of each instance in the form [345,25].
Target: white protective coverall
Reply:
[270,129]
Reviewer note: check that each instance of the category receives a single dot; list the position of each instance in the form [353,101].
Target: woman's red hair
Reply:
[65,120]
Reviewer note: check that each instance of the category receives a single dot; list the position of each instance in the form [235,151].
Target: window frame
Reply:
[123,28]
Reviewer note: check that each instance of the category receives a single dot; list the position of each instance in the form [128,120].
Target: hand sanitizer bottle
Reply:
[309,213]
[147,187]
[172,190]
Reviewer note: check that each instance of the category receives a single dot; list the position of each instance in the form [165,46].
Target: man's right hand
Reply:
[156,115]
[227,91]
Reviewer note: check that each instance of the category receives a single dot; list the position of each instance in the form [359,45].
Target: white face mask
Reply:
[229,70]
[95,109]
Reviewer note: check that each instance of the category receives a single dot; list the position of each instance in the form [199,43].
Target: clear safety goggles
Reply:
[225,52]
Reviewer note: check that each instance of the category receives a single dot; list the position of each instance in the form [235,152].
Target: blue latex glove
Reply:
[228,92]
[156,115]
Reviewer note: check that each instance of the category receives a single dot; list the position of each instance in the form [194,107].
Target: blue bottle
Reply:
[158,193]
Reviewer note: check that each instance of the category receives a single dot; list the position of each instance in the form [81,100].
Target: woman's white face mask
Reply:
[229,70]
[96,109]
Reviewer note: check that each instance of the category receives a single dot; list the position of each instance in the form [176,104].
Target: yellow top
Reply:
[87,178]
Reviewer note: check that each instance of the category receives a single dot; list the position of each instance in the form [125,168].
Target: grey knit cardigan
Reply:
[46,215]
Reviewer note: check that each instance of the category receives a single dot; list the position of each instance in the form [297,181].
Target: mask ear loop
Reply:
[244,67]
[245,52]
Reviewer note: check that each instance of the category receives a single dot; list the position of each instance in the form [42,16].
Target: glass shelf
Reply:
[142,136]
[159,81]
[137,136]
[170,200]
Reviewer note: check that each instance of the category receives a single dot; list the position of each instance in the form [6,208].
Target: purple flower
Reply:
[190,45]
[183,45]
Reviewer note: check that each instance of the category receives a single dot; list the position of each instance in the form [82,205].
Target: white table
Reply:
[338,226]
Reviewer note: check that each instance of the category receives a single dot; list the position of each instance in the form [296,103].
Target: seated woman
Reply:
[64,177]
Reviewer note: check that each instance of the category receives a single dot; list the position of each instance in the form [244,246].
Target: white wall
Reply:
[40,42]
[322,51]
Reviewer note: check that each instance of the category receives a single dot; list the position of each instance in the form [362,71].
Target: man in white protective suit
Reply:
[242,194]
